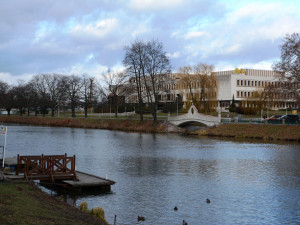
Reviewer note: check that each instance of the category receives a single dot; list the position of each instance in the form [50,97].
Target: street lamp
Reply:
[110,110]
[177,105]
[267,106]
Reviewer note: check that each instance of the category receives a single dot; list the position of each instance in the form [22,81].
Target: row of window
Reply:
[271,104]
[247,94]
[252,83]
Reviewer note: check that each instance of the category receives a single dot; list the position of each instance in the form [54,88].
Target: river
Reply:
[247,183]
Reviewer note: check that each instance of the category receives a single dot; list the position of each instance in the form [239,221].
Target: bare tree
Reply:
[72,86]
[6,97]
[288,67]
[115,86]
[19,96]
[42,103]
[4,87]
[200,85]
[148,64]
[51,85]
[55,88]
[158,67]
[135,62]
[186,83]
[87,92]
[207,86]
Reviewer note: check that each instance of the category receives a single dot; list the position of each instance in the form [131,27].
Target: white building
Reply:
[243,83]
[240,83]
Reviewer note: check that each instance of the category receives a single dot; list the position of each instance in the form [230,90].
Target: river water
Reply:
[247,183]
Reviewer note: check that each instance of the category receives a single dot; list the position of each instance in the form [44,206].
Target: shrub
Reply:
[98,212]
[232,109]
[83,206]
[145,110]
[246,110]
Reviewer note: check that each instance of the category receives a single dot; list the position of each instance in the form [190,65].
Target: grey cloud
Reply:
[61,49]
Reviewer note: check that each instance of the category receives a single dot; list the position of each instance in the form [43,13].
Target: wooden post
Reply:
[18,164]
[115,220]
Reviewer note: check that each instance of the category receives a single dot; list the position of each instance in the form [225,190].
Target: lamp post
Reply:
[110,110]
[267,106]
[177,105]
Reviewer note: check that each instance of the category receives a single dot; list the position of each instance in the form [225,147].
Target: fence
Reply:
[47,167]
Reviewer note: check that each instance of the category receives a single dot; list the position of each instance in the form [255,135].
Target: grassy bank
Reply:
[111,124]
[253,131]
[24,203]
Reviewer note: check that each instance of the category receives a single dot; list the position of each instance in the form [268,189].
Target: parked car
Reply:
[274,117]
[289,118]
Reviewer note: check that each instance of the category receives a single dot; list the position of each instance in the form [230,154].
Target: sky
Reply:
[89,36]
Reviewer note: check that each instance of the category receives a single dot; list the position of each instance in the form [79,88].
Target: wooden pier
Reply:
[59,170]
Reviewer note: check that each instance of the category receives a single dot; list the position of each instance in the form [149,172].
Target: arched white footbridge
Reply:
[194,116]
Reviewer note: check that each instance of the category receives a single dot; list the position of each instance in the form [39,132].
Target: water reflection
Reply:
[247,182]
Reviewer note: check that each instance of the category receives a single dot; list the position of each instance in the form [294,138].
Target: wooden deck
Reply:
[86,180]
[56,170]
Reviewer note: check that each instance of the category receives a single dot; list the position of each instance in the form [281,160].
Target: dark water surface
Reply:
[247,183]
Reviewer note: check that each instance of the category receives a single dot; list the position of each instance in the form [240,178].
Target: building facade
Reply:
[240,84]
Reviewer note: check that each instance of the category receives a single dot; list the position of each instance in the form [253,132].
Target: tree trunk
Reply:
[28,112]
[85,111]
[141,116]
[52,112]
[154,118]
[154,113]
[116,109]
[73,111]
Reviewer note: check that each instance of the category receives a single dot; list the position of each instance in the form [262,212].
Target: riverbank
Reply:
[241,131]
[253,131]
[92,123]
[23,202]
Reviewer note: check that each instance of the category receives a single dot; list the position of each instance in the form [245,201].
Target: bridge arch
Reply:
[191,123]
[194,115]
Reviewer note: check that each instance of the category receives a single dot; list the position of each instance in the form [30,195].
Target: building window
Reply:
[238,82]
[241,83]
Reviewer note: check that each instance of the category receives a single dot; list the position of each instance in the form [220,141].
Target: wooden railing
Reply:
[47,167]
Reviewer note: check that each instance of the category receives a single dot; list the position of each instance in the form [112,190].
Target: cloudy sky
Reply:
[88,36]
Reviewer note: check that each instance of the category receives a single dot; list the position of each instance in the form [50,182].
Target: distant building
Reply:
[238,83]
[242,84]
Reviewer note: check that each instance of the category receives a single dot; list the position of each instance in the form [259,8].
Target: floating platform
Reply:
[56,170]
[89,181]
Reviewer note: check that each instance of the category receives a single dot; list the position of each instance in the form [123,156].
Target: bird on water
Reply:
[140,218]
